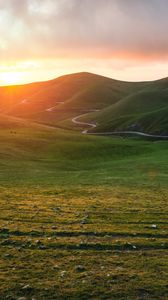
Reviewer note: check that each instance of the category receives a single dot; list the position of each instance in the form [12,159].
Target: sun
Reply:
[9,78]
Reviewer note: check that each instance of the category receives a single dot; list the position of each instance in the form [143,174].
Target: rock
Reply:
[55,267]
[22,298]
[27,288]
[54,227]
[154,226]
[83,222]
[19,249]
[80,268]
[42,247]
[83,281]
[37,242]
[63,273]
[7,255]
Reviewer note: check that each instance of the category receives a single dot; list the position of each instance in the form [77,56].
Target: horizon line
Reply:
[76,73]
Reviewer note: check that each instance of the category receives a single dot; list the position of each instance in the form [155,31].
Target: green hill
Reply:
[138,106]
[136,112]
[69,95]
[145,110]
[82,216]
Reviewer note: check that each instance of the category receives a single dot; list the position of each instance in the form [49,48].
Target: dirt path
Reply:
[52,108]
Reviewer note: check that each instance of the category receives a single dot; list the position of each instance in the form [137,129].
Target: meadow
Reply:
[82,217]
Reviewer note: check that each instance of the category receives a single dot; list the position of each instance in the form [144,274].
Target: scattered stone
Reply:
[80,268]
[128,243]
[37,242]
[83,281]
[154,226]
[7,255]
[134,247]
[42,247]
[63,273]
[83,222]
[152,239]
[18,248]
[22,298]
[27,288]
[55,267]
[54,227]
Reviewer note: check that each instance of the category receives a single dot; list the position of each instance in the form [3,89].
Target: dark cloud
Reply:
[84,28]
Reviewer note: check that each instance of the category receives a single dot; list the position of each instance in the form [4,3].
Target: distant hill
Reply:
[120,105]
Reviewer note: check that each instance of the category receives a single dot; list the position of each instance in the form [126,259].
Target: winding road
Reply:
[119,133]
[94,125]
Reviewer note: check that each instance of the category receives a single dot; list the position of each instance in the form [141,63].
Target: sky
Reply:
[122,39]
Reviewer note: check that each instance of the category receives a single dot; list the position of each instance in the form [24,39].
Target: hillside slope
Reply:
[70,93]
[118,105]
[144,111]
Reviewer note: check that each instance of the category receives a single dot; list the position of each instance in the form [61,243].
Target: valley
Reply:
[83,213]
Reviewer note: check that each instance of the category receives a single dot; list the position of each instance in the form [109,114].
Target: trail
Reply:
[52,108]
[122,133]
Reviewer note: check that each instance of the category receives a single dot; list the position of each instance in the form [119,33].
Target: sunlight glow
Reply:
[21,72]
[9,78]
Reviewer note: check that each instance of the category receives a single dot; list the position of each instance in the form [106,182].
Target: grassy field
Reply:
[81,217]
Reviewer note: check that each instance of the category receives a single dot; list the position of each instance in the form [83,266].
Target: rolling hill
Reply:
[143,111]
[82,213]
[118,105]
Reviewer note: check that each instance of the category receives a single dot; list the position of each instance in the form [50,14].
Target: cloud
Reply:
[89,28]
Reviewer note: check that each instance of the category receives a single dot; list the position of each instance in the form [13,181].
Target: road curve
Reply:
[92,125]
[119,133]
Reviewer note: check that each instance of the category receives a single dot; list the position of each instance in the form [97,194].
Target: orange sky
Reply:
[122,39]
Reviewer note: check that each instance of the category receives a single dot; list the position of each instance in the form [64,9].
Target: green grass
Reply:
[144,111]
[138,106]
[79,92]
[77,213]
